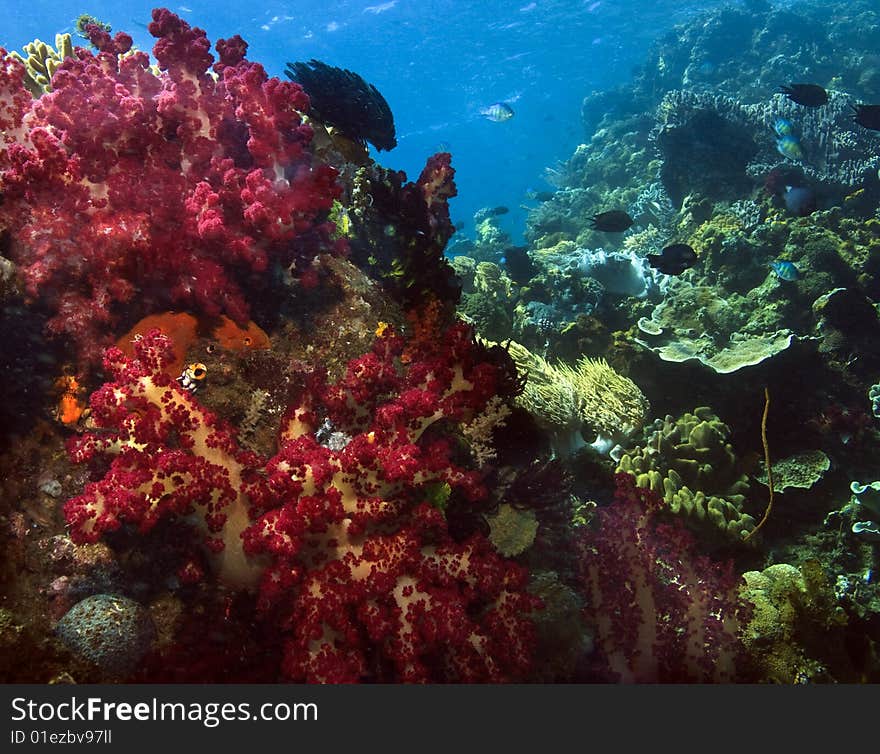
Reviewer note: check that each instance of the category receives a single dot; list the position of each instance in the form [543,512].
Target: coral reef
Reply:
[109,630]
[796,630]
[660,612]
[591,395]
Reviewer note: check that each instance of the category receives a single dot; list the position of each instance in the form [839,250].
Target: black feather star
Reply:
[342,99]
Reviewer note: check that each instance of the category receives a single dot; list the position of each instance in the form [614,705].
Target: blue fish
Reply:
[783,127]
[785,270]
[789,146]
[497,112]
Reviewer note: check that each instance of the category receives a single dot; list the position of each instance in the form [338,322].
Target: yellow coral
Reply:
[610,402]
[592,393]
[42,61]
[512,531]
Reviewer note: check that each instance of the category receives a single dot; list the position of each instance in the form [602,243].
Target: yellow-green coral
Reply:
[592,393]
[512,531]
[795,619]
[801,470]
[42,61]
[491,281]
[691,464]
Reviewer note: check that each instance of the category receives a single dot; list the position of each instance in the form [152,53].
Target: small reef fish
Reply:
[497,112]
[785,270]
[499,210]
[789,146]
[674,259]
[193,377]
[71,405]
[808,95]
[783,127]
[613,221]
[867,116]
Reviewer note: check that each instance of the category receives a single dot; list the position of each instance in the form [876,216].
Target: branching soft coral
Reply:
[126,187]
[346,544]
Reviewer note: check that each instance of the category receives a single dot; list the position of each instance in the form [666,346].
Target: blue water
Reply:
[437,62]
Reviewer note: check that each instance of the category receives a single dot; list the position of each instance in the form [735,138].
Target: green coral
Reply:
[801,470]
[84,19]
[41,62]
[795,633]
[690,462]
[512,531]
[564,398]
[723,331]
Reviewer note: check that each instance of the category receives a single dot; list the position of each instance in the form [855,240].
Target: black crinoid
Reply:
[343,99]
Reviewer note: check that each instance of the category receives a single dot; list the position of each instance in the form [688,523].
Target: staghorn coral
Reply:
[690,462]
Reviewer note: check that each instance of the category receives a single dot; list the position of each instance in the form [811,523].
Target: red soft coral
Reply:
[179,186]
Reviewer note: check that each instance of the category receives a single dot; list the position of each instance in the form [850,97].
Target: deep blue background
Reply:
[436,62]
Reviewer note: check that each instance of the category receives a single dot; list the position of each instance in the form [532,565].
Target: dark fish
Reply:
[341,98]
[867,116]
[613,221]
[499,210]
[799,200]
[519,264]
[808,95]
[674,259]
